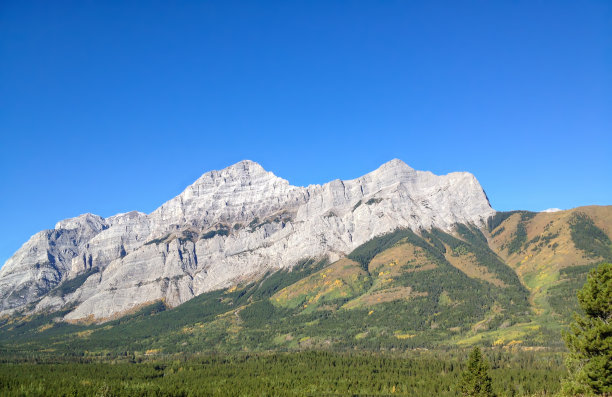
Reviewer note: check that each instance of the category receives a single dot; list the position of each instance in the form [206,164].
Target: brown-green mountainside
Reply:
[511,284]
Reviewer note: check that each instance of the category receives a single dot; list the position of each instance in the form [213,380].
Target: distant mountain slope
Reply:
[228,227]
[527,241]
[552,252]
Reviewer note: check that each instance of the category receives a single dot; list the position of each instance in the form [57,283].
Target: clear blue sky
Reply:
[108,107]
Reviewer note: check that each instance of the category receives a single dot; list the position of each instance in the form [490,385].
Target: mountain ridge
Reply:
[229,225]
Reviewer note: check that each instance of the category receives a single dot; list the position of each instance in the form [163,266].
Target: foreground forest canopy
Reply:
[290,374]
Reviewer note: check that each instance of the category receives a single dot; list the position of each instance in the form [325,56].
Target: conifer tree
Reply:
[590,337]
[475,380]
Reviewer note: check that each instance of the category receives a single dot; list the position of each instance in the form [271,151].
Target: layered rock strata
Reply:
[229,226]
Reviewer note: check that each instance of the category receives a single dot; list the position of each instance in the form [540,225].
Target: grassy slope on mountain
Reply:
[341,280]
[552,254]
[550,238]
[416,294]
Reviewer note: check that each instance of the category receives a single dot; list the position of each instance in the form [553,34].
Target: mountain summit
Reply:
[229,226]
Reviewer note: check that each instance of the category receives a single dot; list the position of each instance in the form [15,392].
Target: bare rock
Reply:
[229,226]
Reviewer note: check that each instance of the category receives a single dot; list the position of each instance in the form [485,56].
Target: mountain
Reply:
[241,260]
[229,227]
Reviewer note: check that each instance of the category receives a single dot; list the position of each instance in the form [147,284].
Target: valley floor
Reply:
[309,373]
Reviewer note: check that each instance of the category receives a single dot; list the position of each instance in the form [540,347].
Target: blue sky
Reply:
[108,107]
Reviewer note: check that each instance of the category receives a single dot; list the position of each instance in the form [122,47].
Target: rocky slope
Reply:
[229,226]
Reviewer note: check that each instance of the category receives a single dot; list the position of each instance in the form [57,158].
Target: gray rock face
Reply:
[229,226]
[42,262]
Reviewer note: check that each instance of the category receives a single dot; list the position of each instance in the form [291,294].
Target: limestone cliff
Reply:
[228,226]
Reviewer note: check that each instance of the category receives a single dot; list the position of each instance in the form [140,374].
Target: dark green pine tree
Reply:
[475,380]
[590,337]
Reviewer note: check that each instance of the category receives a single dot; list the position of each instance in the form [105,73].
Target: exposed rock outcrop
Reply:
[228,226]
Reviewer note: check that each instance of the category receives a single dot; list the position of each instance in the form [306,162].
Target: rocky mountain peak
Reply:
[391,172]
[229,226]
[396,164]
[245,166]
[236,193]
[243,171]
[88,220]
